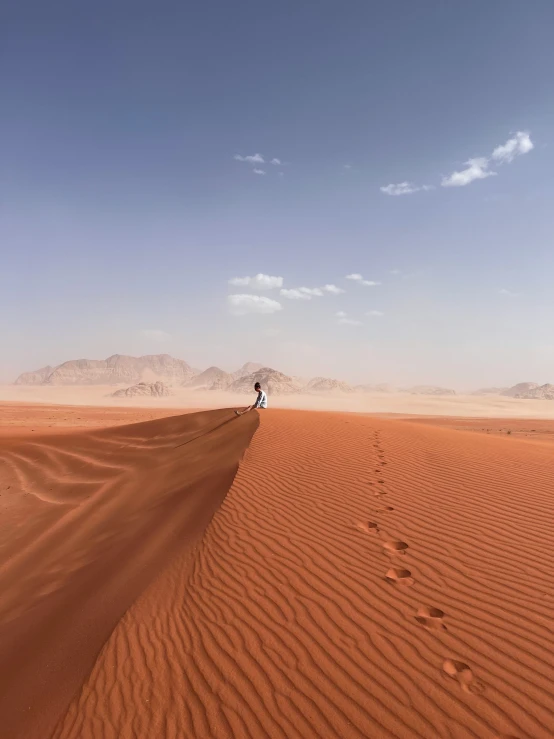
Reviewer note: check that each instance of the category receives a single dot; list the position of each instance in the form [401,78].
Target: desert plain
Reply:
[370,568]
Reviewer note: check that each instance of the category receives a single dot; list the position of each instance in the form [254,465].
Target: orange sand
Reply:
[86,522]
[362,578]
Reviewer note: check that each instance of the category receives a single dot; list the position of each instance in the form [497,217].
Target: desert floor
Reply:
[185,399]
[168,575]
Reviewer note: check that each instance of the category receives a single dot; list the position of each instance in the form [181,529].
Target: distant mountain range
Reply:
[114,370]
[141,373]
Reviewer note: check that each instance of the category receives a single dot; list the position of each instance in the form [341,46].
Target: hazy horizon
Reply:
[359,191]
[230,369]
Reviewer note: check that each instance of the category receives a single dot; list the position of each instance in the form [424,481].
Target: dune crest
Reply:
[87,521]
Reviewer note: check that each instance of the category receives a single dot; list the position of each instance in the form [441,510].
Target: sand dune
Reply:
[87,521]
[362,578]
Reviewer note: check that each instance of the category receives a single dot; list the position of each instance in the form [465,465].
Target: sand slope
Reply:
[86,521]
[363,578]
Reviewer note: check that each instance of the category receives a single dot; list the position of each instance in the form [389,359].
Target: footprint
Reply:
[431,618]
[381,482]
[386,509]
[398,576]
[369,528]
[395,547]
[464,675]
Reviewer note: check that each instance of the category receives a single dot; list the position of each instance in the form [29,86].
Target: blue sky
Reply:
[124,211]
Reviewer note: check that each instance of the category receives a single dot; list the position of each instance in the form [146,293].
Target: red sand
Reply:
[86,522]
[362,578]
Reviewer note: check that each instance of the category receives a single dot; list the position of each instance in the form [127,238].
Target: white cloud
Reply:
[333,289]
[349,322]
[258,171]
[302,293]
[295,294]
[520,144]
[477,169]
[343,320]
[404,188]
[259,282]
[240,305]
[276,162]
[395,271]
[376,313]
[356,277]
[154,334]
[252,158]
[509,293]
[347,166]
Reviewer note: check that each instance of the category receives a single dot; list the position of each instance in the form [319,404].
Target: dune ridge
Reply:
[363,578]
[88,520]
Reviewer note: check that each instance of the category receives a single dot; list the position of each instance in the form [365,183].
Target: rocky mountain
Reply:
[210,377]
[34,378]
[151,369]
[272,381]
[531,391]
[521,390]
[326,385]
[219,384]
[429,390]
[247,369]
[144,389]
[117,369]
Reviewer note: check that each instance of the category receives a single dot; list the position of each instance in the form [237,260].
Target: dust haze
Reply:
[493,406]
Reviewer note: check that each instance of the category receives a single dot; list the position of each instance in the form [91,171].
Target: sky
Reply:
[360,190]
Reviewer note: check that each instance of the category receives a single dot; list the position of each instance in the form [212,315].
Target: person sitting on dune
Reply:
[261,400]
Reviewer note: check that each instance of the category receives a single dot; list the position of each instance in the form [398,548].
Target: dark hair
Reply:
[257,386]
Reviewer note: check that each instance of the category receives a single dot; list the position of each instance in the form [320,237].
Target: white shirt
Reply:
[261,400]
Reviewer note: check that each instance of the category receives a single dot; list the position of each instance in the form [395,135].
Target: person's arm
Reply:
[251,407]
[248,408]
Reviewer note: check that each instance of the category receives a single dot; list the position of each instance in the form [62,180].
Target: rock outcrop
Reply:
[117,369]
[530,391]
[34,378]
[247,369]
[521,390]
[219,384]
[325,385]
[144,389]
[210,377]
[272,381]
